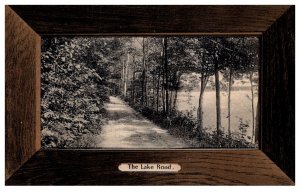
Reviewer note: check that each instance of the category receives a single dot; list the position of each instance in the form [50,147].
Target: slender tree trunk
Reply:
[218,107]
[143,74]
[120,84]
[146,91]
[132,93]
[153,91]
[252,106]
[163,95]
[142,82]
[123,78]
[166,75]
[126,76]
[175,99]
[133,85]
[170,100]
[229,101]
[157,92]
[146,77]
[163,78]
[176,87]
[257,126]
[200,106]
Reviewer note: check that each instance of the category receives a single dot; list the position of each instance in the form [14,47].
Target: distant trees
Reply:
[159,62]
[148,73]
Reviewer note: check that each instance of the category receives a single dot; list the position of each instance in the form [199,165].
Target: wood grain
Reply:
[98,19]
[211,167]
[22,92]
[22,115]
[278,94]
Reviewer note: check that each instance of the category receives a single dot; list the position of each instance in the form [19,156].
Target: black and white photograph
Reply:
[149,92]
[188,95]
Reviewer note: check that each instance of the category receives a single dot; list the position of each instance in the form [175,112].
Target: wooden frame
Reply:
[272,164]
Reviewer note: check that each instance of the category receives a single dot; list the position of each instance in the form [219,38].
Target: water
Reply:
[240,108]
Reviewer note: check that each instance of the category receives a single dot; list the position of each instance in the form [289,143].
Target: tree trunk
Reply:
[153,91]
[229,101]
[126,76]
[132,93]
[200,106]
[170,99]
[163,78]
[146,77]
[143,74]
[218,107]
[163,93]
[133,84]
[157,92]
[142,81]
[123,78]
[166,75]
[257,130]
[146,91]
[252,106]
[176,90]
[175,100]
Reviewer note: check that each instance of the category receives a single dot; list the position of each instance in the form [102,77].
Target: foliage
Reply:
[160,67]
[184,126]
[73,91]
[78,75]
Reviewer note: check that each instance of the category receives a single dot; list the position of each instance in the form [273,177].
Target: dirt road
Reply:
[128,129]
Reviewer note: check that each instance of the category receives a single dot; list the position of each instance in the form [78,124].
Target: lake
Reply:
[240,108]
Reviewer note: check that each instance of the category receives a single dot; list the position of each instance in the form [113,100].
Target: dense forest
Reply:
[203,90]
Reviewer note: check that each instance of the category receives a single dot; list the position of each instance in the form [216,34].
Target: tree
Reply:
[250,47]
[234,61]
[73,89]
[203,64]
[241,59]
[214,51]
[166,77]
[154,65]
[181,61]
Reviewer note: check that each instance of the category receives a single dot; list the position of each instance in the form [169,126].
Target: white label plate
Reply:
[149,167]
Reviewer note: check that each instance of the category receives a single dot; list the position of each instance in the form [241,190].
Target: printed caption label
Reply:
[149,167]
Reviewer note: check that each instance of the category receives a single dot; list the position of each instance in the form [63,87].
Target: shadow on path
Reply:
[128,129]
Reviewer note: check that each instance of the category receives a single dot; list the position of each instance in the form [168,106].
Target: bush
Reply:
[73,94]
[185,126]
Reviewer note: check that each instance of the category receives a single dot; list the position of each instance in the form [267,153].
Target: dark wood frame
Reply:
[27,164]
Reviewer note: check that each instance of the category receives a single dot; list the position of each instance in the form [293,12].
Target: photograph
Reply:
[152,92]
[149,95]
